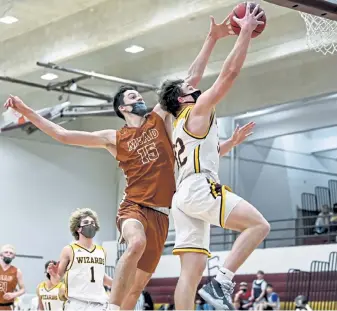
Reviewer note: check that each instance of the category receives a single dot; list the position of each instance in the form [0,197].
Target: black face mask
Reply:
[7,260]
[139,108]
[89,231]
[195,95]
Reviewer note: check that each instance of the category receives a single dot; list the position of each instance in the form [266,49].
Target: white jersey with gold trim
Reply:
[50,298]
[85,275]
[195,154]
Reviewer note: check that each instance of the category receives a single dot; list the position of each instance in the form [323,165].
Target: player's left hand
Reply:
[52,269]
[9,296]
[241,133]
[221,30]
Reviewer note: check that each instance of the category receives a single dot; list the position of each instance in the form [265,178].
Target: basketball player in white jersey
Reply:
[51,292]
[82,264]
[200,200]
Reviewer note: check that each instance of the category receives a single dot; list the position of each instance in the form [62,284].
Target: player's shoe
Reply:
[219,295]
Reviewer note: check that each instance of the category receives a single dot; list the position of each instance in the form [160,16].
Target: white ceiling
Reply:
[38,13]
[93,34]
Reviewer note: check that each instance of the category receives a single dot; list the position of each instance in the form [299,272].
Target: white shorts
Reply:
[78,305]
[198,203]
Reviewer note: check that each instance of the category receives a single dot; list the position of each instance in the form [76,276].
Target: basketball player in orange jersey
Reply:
[144,151]
[82,264]
[51,292]
[200,200]
[10,277]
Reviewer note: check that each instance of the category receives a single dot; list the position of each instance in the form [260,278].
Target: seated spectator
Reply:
[333,218]
[273,300]
[323,220]
[258,293]
[242,299]
[301,303]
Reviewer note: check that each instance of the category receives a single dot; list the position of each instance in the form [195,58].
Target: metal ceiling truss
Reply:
[71,87]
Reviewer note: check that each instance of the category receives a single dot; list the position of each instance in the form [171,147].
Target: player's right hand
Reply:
[16,104]
[251,19]
[52,269]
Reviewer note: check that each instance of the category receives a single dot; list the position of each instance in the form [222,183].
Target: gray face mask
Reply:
[89,231]
[139,109]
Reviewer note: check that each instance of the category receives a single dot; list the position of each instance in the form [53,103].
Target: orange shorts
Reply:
[155,225]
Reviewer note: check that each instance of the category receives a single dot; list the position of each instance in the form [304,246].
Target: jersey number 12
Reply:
[92,275]
[179,149]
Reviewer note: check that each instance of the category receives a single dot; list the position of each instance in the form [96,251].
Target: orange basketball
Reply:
[240,11]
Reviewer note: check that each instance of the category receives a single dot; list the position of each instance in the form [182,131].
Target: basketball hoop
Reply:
[321,33]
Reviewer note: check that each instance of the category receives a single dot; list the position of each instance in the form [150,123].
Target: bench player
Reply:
[10,278]
[82,264]
[144,151]
[51,292]
[200,200]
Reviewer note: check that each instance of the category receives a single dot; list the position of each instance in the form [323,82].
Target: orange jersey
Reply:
[145,154]
[8,282]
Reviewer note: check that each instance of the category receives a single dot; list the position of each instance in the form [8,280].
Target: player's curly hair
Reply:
[119,99]
[168,96]
[77,216]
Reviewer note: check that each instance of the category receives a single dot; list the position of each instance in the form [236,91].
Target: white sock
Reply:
[224,275]
[113,307]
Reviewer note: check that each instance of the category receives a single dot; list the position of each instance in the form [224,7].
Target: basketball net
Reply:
[321,33]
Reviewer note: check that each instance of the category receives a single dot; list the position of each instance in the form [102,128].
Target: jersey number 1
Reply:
[47,306]
[92,275]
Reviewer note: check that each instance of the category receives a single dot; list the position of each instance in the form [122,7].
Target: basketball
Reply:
[240,11]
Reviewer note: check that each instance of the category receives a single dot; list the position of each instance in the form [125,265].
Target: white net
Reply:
[321,33]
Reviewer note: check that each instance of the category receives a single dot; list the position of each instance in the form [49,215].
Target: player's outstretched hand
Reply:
[16,104]
[53,268]
[241,133]
[251,19]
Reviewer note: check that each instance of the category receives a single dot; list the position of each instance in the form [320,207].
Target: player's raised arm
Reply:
[232,65]
[197,68]
[99,139]
[216,32]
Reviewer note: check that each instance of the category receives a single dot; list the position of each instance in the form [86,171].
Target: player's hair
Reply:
[168,96]
[7,246]
[77,216]
[119,99]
